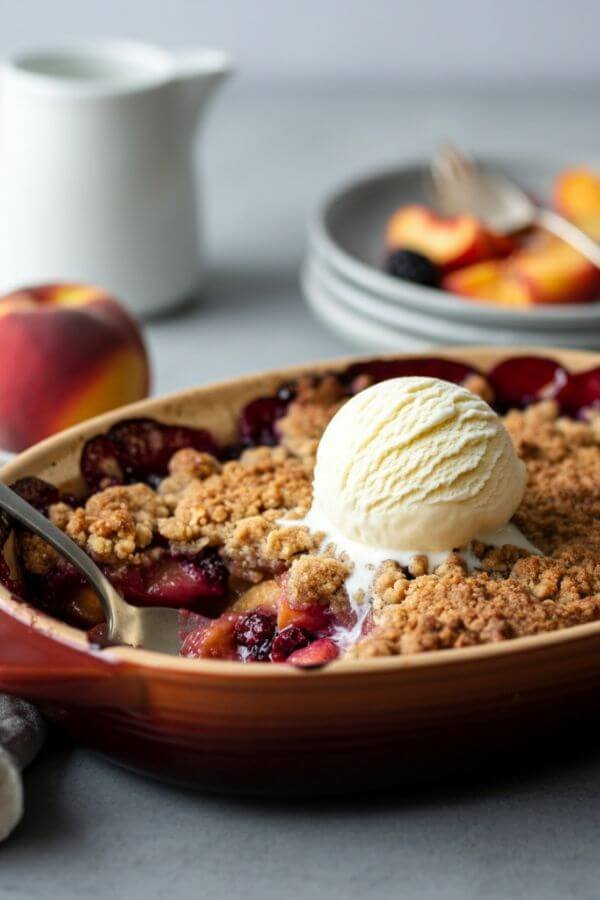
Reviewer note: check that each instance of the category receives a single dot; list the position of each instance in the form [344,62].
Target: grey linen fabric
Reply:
[22,733]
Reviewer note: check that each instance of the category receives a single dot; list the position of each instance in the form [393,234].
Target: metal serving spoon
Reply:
[458,184]
[153,628]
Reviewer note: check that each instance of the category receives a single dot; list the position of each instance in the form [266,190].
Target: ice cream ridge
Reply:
[415,466]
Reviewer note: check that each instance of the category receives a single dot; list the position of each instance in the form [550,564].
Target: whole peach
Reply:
[67,352]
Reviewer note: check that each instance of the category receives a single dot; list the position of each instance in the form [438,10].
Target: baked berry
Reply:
[520,381]
[257,421]
[37,492]
[580,393]
[100,464]
[412,266]
[288,640]
[255,629]
[144,447]
[187,582]
[377,370]
[315,655]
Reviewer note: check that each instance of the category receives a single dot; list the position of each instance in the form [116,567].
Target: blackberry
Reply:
[412,266]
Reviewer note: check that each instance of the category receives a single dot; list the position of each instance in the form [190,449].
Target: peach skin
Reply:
[451,243]
[68,352]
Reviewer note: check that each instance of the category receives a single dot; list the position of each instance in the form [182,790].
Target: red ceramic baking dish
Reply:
[272,728]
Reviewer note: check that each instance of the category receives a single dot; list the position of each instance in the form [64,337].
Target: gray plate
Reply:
[351,311]
[347,236]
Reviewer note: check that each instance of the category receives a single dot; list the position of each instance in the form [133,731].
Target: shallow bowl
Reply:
[346,236]
[269,728]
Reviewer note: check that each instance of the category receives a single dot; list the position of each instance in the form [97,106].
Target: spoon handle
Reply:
[27,515]
[571,234]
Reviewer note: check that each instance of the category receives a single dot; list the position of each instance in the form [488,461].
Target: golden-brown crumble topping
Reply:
[256,546]
[389,586]
[116,523]
[562,496]
[191,463]
[451,610]
[264,481]
[317,580]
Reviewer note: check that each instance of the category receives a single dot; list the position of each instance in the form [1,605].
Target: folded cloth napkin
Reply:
[22,733]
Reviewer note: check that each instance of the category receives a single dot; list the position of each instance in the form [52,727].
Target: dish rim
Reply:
[147,660]
[323,243]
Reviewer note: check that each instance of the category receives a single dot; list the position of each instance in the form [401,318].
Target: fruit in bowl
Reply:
[388,508]
[68,352]
[536,268]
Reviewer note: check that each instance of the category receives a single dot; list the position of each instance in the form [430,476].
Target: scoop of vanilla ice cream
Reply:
[416,463]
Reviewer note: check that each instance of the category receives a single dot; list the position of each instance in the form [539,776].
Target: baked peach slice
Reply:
[556,272]
[450,243]
[548,271]
[489,281]
[576,194]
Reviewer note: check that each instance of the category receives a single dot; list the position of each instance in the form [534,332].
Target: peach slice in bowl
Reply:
[288,729]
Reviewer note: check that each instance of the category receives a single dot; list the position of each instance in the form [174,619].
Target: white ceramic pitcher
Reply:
[97,176]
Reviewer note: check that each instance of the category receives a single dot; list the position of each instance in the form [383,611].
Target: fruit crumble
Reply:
[221,532]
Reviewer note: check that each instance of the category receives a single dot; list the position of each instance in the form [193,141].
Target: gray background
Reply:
[410,41]
[299,118]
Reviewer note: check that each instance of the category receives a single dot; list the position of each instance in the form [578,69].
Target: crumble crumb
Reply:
[193,464]
[453,564]
[479,385]
[389,586]
[418,565]
[500,560]
[116,523]
[37,556]
[317,579]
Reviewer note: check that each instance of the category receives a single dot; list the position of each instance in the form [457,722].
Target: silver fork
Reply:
[459,184]
[154,628]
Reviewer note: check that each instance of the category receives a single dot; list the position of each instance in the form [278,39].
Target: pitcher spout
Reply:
[198,74]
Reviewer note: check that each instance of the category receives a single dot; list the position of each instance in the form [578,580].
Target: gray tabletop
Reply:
[91,828]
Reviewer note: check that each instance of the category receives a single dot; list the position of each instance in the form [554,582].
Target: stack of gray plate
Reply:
[346,287]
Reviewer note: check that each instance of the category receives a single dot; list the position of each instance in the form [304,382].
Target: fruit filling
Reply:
[382,510]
